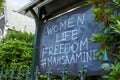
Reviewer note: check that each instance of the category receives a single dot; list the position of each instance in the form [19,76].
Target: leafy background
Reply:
[16,47]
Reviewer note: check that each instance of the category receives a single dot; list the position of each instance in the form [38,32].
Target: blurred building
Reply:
[16,20]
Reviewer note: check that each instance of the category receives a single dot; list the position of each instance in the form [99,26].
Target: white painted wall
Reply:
[18,21]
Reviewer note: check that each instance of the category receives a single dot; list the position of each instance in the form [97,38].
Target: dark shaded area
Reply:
[59,6]
[2,22]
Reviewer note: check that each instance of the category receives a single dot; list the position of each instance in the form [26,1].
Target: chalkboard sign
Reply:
[66,41]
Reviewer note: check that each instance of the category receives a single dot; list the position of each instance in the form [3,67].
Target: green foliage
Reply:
[103,12]
[99,37]
[16,47]
[1,5]
[117,2]
[115,74]
[16,50]
[109,37]
[116,29]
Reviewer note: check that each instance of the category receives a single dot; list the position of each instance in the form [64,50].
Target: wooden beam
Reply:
[44,3]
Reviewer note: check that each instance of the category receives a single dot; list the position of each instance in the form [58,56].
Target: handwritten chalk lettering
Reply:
[94,51]
[63,36]
[66,24]
[72,60]
[67,35]
[50,52]
[84,44]
[59,60]
[80,19]
[66,48]
[43,62]
[63,25]
[89,57]
[54,61]
[71,22]
[75,47]
[85,56]
[60,37]
[63,58]
[79,56]
[74,34]
[56,28]
[62,50]
[67,59]
[45,51]
[56,49]
[49,30]
[49,61]
[53,28]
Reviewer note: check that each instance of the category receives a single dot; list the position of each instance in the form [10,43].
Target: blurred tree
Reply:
[16,50]
[1,5]
[107,12]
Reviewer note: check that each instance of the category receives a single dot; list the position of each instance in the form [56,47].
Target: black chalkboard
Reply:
[65,41]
